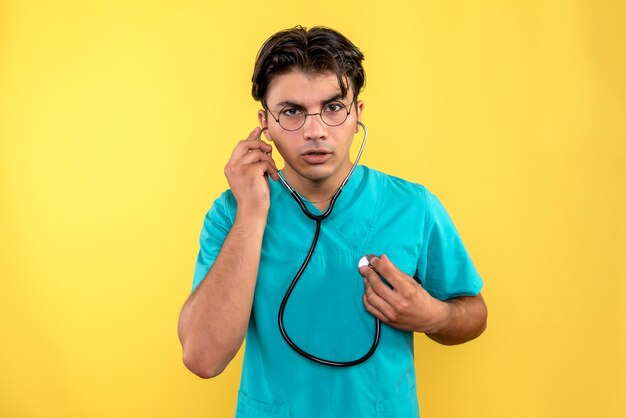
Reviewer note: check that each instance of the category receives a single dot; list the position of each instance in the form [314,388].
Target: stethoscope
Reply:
[364,261]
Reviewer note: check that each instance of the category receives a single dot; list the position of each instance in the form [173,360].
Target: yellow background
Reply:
[116,120]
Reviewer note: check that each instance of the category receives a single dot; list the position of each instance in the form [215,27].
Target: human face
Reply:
[316,154]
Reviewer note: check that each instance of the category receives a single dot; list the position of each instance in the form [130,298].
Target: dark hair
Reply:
[319,49]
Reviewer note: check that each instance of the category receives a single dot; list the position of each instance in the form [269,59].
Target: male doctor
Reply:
[255,237]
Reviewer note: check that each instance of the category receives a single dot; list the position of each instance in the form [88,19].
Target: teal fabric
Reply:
[378,214]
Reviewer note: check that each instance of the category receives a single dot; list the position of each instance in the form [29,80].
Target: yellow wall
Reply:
[117,117]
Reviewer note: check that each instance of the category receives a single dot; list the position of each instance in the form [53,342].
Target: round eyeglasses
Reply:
[292,117]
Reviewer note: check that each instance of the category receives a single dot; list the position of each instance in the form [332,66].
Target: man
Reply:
[256,237]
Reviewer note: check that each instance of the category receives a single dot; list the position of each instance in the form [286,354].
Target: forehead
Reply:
[302,87]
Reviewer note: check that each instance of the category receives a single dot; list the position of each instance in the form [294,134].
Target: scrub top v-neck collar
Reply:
[346,196]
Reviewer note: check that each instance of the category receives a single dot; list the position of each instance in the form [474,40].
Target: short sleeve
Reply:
[444,266]
[217,224]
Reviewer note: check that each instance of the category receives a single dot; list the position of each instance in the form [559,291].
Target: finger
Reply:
[254,135]
[261,130]
[375,300]
[244,147]
[374,280]
[247,144]
[263,168]
[391,273]
[378,314]
[255,157]
[262,149]
[257,138]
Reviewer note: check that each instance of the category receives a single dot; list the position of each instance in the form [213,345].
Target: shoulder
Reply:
[226,198]
[396,187]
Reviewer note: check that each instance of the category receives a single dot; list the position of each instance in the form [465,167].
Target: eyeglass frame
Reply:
[311,114]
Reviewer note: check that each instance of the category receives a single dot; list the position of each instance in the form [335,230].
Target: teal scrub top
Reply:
[375,214]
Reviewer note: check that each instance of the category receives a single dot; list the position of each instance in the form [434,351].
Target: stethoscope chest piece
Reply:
[365,260]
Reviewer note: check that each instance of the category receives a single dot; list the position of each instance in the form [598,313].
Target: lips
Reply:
[316,156]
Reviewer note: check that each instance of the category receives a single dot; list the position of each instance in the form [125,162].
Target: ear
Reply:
[262,115]
[359,113]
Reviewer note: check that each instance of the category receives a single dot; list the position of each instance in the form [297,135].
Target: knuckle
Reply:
[255,168]
[378,286]
[402,307]
[409,293]
[393,315]
[236,170]
[372,287]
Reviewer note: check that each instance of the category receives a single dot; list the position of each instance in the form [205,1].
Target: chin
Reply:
[316,173]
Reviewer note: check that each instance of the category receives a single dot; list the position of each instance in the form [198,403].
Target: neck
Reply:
[317,190]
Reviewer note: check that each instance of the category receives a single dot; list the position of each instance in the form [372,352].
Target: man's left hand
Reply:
[407,306]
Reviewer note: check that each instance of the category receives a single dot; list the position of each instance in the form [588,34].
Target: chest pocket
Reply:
[251,408]
[402,406]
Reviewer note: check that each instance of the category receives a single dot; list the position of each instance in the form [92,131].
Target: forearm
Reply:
[214,320]
[463,319]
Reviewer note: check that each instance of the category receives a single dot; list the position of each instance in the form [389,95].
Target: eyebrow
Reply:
[323,102]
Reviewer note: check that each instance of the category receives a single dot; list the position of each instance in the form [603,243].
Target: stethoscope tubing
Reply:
[318,225]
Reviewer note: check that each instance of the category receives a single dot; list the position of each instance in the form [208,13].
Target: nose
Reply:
[314,127]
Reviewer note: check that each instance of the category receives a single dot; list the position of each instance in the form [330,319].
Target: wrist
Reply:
[252,218]
[442,312]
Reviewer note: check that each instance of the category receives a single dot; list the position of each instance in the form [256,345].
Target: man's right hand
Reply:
[246,172]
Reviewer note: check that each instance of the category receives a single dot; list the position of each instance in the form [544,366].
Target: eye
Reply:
[290,112]
[334,107]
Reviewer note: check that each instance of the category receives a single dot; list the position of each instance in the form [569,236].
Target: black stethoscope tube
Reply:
[318,225]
